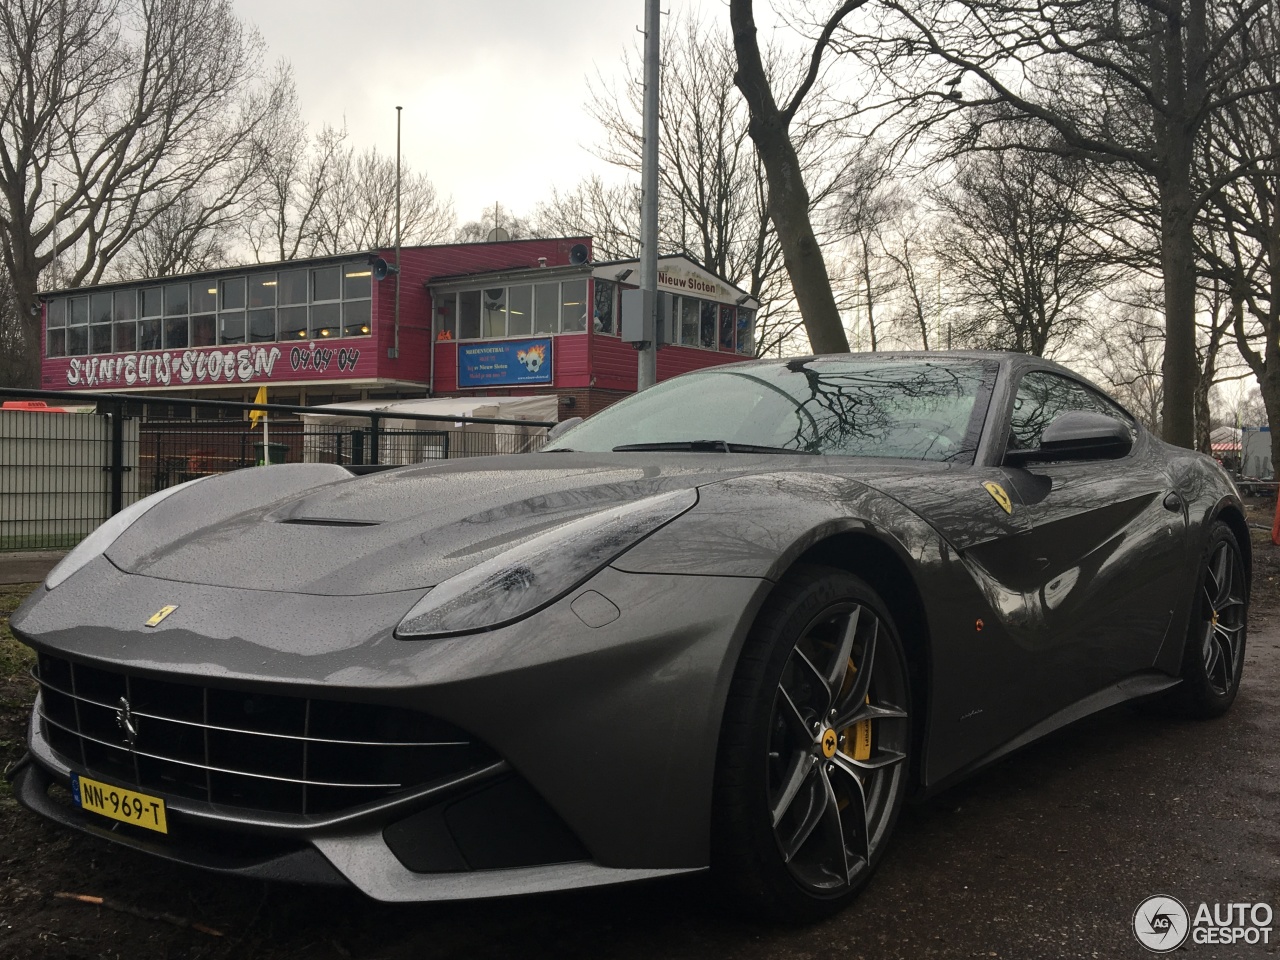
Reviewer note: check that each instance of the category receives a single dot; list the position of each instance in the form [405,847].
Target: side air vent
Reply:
[329,522]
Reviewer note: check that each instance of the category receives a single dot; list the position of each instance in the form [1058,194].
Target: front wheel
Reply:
[1214,654]
[814,748]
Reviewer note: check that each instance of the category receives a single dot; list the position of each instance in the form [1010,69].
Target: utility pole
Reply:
[647,365]
[397,346]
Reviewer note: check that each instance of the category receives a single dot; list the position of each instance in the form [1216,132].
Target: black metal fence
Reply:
[70,460]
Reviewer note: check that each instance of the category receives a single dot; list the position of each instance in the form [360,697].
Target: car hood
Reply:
[317,529]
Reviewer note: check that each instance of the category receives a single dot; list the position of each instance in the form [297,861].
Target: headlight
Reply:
[105,535]
[535,573]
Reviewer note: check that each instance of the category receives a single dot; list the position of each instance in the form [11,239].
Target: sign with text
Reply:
[505,363]
[213,366]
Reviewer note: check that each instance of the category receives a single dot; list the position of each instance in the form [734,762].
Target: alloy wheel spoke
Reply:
[857,795]
[820,681]
[834,817]
[879,760]
[1231,603]
[1212,655]
[857,712]
[840,662]
[1222,576]
[801,769]
[794,720]
[862,680]
[818,795]
[1227,654]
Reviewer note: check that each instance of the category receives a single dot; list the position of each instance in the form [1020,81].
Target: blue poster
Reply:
[504,363]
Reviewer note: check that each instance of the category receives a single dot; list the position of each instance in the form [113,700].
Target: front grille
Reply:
[237,748]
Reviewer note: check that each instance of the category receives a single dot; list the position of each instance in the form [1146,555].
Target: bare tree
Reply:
[867,205]
[608,213]
[111,113]
[712,192]
[789,201]
[910,245]
[1127,352]
[477,231]
[282,216]
[183,236]
[357,210]
[1119,81]
[1018,245]
[13,334]
[1240,240]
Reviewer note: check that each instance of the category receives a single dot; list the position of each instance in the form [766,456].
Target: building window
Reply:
[520,310]
[230,328]
[326,318]
[355,318]
[689,314]
[177,333]
[469,315]
[493,320]
[177,300]
[293,321]
[259,307]
[55,321]
[746,332]
[446,318]
[707,331]
[726,327]
[546,308]
[574,308]
[602,318]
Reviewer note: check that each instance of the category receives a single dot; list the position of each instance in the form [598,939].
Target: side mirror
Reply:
[1077,435]
[563,427]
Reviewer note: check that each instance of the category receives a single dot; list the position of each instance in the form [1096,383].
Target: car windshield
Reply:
[909,408]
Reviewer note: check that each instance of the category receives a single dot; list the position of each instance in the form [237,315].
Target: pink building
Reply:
[515,317]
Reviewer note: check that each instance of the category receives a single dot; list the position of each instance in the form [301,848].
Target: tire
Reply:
[1214,654]
[813,756]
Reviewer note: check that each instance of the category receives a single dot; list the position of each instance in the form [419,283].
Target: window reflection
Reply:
[602,317]
[259,307]
[520,311]
[910,409]
[1042,397]
[493,321]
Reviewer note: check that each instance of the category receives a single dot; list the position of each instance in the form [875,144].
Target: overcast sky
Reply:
[492,90]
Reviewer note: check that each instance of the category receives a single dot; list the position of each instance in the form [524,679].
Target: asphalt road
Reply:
[1046,856]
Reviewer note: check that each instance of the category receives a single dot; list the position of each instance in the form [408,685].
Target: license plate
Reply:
[119,803]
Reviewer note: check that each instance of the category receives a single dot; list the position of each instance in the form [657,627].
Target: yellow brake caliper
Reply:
[856,738]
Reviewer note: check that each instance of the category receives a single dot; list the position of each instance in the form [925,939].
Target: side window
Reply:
[1042,397]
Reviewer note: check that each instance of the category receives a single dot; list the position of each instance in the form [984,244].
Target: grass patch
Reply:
[15,659]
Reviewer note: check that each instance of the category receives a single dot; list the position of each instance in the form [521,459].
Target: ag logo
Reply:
[1161,923]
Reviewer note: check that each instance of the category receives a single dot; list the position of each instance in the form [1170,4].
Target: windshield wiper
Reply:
[708,446]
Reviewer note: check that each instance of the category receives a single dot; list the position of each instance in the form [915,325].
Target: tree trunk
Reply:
[866,281]
[788,198]
[1177,256]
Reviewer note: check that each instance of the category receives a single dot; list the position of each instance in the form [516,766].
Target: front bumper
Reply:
[613,727]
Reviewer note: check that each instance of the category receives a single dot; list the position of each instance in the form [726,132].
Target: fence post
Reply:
[115,457]
[375,426]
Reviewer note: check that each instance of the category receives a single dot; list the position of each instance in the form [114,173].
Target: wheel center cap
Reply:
[829,742]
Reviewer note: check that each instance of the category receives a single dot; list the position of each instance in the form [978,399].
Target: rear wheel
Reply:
[814,748]
[1214,654]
